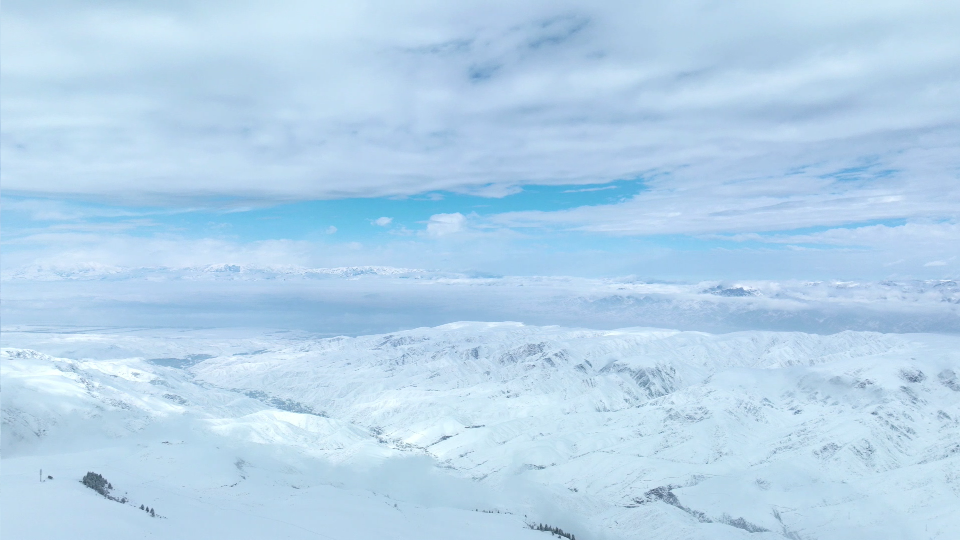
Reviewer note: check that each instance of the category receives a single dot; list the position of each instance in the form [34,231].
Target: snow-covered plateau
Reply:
[474,430]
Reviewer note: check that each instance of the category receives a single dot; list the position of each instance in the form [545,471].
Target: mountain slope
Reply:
[635,433]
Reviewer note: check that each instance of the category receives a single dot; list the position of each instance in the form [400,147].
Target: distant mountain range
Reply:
[372,299]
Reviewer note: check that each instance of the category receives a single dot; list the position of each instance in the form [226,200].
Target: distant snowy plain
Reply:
[631,433]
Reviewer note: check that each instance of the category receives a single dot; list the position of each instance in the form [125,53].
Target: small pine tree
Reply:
[152,514]
[141,507]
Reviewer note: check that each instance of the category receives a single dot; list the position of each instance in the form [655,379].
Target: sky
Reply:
[668,140]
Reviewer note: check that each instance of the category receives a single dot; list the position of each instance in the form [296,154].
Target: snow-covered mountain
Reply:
[634,433]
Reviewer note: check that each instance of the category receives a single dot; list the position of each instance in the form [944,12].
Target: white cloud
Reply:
[480,97]
[942,235]
[52,210]
[331,229]
[444,224]
[756,205]
[365,302]
[859,253]
[936,263]
[739,119]
[55,248]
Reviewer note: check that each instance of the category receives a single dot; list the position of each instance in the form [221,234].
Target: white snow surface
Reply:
[631,433]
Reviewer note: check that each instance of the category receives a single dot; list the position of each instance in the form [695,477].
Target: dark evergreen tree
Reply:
[97,483]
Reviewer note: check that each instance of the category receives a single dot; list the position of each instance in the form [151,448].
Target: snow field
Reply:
[634,433]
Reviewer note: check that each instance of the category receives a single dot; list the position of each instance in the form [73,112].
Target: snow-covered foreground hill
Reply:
[635,433]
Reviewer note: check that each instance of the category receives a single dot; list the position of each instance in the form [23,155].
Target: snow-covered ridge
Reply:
[676,434]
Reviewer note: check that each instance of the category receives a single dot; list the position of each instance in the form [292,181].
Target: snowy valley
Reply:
[476,430]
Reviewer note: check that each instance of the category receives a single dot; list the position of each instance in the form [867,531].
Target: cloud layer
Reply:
[681,140]
[164,101]
[359,300]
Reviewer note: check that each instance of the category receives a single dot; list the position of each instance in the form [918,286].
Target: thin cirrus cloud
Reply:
[912,234]
[781,205]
